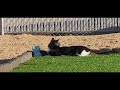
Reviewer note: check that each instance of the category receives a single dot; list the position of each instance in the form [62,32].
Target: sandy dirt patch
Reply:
[14,45]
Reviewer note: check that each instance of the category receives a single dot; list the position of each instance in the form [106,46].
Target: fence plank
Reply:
[1,26]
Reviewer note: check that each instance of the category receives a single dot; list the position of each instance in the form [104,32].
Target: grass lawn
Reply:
[96,63]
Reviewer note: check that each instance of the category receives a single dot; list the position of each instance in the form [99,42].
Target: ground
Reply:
[14,45]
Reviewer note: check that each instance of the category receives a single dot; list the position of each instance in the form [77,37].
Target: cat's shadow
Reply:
[109,51]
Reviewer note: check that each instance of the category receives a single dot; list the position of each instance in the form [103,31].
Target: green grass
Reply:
[97,63]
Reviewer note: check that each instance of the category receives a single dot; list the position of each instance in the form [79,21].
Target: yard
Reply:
[13,45]
[96,63]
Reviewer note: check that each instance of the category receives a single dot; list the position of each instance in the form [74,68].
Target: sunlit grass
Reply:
[96,63]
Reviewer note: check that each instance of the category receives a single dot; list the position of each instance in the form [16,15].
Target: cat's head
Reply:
[54,43]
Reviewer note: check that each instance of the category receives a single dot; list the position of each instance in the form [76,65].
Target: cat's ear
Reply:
[58,39]
[52,39]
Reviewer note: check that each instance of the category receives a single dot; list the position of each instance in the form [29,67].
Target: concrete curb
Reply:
[7,67]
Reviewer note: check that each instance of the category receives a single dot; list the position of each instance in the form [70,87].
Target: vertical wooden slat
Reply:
[67,25]
[95,24]
[25,23]
[4,24]
[11,24]
[22,23]
[1,26]
[33,25]
[70,25]
[111,22]
[102,23]
[107,23]
[45,25]
[82,25]
[107,26]
[92,24]
[74,25]
[86,24]
[58,25]
[78,25]
[115,22]
[62,25]
[89,24]
[51,25]
[98,21]
[41,25]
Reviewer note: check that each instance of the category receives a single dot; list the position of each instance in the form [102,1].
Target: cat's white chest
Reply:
[48,49]
[84,53]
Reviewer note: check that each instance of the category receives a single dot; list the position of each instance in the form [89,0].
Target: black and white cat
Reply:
[56,50]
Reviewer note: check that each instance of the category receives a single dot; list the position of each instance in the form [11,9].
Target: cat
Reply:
[56,50]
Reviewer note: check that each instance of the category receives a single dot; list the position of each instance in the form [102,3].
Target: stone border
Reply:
[8,66]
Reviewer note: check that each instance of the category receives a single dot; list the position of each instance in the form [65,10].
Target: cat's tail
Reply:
[101,51]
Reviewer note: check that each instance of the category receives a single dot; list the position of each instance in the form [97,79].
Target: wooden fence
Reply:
[59,25]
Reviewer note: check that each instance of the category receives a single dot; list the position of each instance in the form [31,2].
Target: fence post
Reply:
[1,27]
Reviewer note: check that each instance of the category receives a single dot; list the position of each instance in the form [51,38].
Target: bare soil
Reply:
[13,45]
